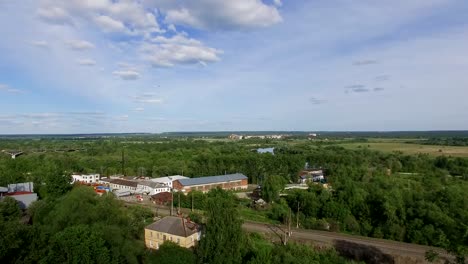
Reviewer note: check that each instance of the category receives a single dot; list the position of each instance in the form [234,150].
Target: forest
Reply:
[412,198]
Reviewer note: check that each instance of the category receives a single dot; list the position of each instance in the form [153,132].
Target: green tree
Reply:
[9,209]
[169,252]
[223,240]
[271,188]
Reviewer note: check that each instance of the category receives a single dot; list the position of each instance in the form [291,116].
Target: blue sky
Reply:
[80,66]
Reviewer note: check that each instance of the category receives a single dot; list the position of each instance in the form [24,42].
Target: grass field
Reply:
[407,148]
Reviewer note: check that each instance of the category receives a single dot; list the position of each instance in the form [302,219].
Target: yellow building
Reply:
[172,228]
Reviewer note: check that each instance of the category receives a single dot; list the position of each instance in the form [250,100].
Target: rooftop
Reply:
[152,184]
[213,179]
[168,178]
[124,182]
[175,226]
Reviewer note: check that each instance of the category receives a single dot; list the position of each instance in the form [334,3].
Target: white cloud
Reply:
[108,24]
[167,52]
[148,98]
[139,109]
[219,15]
[277,2]
[128,17]
[127,74]
[80,45]
[8,89]
[40,43]
[54,14]
[86,62]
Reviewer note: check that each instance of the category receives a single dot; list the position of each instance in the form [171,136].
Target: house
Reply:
[21,187]
[21,192]
[123,185]
[25,199]
[179,230]
[85,178]
[151,188]
[236,181]
[163,198]
[168,180]
[311,175]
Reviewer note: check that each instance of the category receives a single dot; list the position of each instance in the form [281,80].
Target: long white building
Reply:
[85,178]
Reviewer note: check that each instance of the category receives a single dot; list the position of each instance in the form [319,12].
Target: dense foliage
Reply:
[416,199]
[78,227]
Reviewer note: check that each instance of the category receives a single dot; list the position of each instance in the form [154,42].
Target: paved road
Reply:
[323,237]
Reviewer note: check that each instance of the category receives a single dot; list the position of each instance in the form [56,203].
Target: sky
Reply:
[113,66]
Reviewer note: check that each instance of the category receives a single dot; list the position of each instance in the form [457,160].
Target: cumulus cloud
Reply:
[40,44]
[54,15]
[86,62]
[129,17]
[378,89]
[222,15]
[139,109]
[108,24]
[179,49]
[127,74]
[80,45]
[365,62]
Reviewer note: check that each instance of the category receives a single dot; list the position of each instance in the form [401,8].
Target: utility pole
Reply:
[123,162]
[172,202]
[192,200]
[289,222]
[178,212]
[297,215]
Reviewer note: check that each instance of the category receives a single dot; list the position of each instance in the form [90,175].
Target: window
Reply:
[151,234]
[164,238]
[178,241]
[157,235]
[151,244]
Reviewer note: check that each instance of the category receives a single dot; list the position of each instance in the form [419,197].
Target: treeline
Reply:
[201,158]
[451,141]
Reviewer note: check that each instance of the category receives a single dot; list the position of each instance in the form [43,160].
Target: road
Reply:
[323,237]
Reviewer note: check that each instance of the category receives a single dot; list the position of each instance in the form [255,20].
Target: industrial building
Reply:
[236,181]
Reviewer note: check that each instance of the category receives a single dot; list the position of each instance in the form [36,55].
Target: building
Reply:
[123,185]
[236,181]
[21,187]
[311,175]
[21,192]
[235,137]
[168,180]
[163,198]
[25,199]
[179,230]
[151,188]
[86,178]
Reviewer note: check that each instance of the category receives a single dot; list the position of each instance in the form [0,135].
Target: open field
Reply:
[408,148]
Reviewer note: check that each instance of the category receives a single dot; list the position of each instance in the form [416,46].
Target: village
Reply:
[160,191]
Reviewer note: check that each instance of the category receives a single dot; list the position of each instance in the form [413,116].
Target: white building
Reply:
[89,178]
[152,188]
[168,180]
